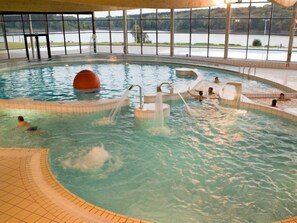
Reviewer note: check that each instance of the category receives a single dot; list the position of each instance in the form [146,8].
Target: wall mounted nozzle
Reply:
[159,89]
[140,93]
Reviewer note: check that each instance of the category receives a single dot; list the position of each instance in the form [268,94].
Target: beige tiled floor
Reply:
[30,193]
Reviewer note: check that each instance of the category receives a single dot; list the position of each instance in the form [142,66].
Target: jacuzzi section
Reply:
[231,95]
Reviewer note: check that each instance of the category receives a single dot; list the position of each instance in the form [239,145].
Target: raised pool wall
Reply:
[63,106]
[259,107]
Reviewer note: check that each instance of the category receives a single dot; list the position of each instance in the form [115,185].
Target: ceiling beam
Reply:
[160,4]
[52,6]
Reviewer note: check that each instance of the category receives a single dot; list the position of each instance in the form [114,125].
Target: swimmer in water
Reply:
[200,96]
[273,103]
[216,80]
[211,94]
[283,98]
[23,123]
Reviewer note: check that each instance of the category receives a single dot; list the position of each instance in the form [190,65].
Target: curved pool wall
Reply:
[250,105]
[63,106]
[241,101]
[108,104]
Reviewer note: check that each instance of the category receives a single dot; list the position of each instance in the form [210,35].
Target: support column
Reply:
[172,32]
[292,34]
[37,47]
[31,37]
[125,30]
[94,32]
[110,36]
[5,36]
[49,54]
[227,29]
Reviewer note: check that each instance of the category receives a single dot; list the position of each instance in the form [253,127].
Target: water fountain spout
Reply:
[171,92]
[159,87]
[140,93]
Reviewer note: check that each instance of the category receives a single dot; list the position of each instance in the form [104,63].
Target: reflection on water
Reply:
[219,165]
[54,83]
[104,121]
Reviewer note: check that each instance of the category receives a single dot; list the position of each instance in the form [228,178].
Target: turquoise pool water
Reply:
[54,82]
[221,165]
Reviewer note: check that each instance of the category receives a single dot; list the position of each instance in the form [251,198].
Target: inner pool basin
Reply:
[216,164]
[55,82]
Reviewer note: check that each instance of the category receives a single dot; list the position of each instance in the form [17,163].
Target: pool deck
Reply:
[30,193]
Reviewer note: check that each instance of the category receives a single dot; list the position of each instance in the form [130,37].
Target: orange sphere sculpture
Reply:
[86,80]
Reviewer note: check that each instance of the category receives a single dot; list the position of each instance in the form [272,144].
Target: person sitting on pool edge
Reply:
[200,97]
[283,98]
[23,123]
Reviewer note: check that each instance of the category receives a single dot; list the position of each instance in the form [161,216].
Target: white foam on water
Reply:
[87,160]
[240,111]
[160,131]
[159,108]
[103,121]
[111,119]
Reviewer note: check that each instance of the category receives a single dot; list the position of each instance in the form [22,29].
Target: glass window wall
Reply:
[199,32]
[13,29]
[163,31]
[182,32]
[149,24]
[135,32]
[217,24]
[117,33]
[258,30]
[103,32]
[279,32]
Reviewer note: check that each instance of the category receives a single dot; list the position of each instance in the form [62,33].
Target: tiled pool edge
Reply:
[259,107]
[34,171]
[288,220]
[63,106]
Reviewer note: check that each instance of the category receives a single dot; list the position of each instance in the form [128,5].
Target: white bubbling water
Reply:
[159,109]
[162,130]
[90,160]
[103,121]
[113,114]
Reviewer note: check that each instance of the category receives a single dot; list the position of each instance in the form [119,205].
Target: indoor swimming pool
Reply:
[219,165]
[54,82]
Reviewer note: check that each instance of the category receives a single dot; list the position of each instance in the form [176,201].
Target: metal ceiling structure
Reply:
[110,5]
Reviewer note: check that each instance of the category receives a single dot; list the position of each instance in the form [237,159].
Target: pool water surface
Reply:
[217,165]
[55,82]
[221,165]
